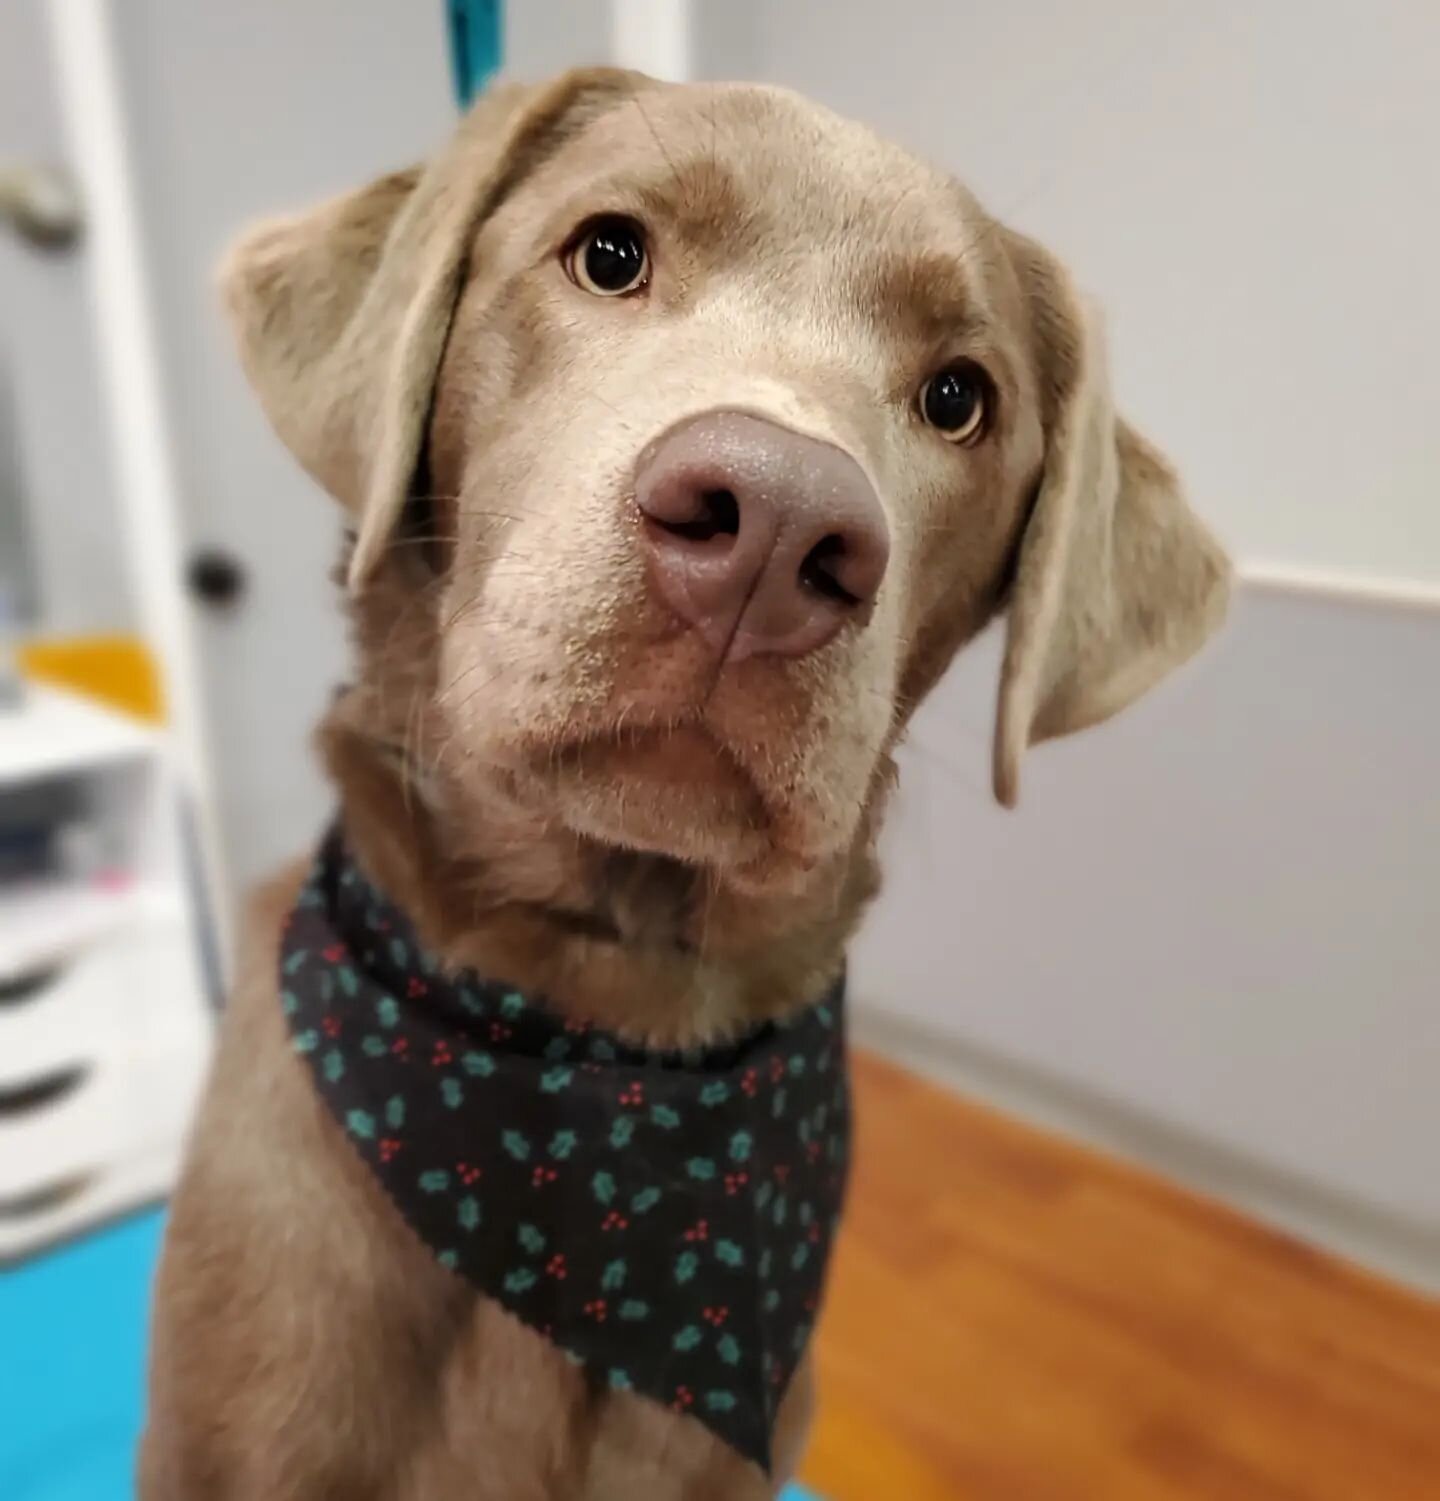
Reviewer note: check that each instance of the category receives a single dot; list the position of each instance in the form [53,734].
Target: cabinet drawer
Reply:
[84,1117]
[116,994]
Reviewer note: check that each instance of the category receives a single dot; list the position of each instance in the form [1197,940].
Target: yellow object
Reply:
[117,670]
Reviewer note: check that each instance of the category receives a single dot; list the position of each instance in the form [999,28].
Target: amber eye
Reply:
[956,402]
[610,258]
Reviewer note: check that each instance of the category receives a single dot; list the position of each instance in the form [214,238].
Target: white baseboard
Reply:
[1396,1247]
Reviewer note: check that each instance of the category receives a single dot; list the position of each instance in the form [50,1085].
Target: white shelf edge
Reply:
[1339,584]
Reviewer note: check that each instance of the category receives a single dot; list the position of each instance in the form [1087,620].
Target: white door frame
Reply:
[83,42]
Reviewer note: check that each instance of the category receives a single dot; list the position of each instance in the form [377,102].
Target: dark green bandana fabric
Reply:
[664,1218]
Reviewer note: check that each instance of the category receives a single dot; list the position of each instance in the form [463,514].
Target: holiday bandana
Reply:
[664,1217]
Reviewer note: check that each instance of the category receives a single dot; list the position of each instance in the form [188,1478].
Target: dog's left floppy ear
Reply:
[1117,581]
[342,313]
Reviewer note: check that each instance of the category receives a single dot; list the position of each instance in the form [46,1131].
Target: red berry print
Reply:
[734,1182]
[684,1399]
[577,1028]
[543,1175]
[330,1026]
[813,1233]
[595,1309]
[812,1152]
[416,987]
[389,1147]
[555,1267]
[441,1056]
[589,1068]
[715,1317]
[614,1221]
[750,1082]
[468,1174]
[699,1231]
[633,1094]
[777,1070]
[499,1032]
[332,954]
[782,1171]
[401,1048]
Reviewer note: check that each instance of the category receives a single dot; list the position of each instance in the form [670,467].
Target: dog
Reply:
[683,434]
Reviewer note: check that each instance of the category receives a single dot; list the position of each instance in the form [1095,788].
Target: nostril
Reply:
[717,514]
[821,568]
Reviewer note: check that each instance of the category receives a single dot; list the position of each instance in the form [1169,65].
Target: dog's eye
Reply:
[610,258]
[956,402]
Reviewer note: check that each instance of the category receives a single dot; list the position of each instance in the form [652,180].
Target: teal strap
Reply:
[476,39]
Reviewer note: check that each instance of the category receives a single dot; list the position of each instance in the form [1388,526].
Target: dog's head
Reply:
[685,433]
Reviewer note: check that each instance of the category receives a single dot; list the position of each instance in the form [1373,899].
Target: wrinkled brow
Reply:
[928,295]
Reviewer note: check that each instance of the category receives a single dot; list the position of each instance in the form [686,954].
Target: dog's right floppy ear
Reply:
[342,313]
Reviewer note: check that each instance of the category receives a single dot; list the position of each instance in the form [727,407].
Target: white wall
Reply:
[56,419]
[1219,912]
[1249,189]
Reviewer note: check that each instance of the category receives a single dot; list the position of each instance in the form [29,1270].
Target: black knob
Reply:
[215,578]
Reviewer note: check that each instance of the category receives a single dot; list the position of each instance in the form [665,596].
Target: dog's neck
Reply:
[642,945]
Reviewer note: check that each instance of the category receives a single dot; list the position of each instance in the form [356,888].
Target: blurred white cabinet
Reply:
[104,1018]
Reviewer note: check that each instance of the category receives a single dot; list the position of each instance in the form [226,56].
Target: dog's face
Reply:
[688,432]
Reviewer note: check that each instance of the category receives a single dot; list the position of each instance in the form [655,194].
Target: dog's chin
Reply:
[676,792]
[671,792]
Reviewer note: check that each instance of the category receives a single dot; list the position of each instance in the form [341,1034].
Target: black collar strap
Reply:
[664,1218]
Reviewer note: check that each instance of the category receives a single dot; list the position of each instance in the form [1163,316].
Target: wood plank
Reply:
[1016,1318]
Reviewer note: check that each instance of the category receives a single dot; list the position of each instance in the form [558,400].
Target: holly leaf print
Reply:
[553,1080]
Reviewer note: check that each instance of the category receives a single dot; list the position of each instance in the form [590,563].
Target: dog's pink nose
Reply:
[764,540]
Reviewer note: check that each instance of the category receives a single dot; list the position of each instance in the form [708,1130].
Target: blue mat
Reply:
[72,1367]
[72,1376]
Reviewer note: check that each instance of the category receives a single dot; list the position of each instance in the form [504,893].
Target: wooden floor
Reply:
[1013,1318]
